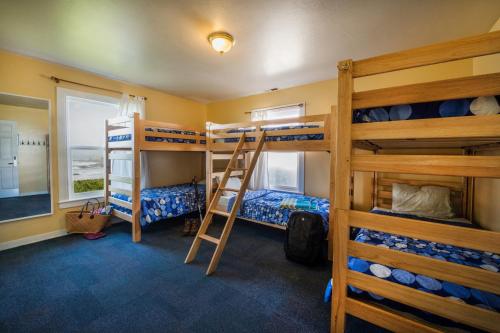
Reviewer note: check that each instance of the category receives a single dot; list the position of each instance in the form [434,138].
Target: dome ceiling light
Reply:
[221,41]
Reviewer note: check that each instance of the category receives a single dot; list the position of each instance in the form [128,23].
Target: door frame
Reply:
[50,156]
[15,191]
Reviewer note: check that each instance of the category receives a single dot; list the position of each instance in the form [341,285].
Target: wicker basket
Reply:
[85,220]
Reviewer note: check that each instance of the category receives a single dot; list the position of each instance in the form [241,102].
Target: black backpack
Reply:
[305,238]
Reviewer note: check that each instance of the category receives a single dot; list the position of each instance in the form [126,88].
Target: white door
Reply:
[9,176]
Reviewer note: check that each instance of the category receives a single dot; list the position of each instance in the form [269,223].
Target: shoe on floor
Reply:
[195,226]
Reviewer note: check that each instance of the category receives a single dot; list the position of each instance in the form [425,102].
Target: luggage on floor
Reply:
[305,238]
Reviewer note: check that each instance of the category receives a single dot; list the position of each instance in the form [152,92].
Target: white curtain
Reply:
[129,106]
[260,177]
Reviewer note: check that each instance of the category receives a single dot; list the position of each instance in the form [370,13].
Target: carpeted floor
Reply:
[16,207]
[71,284]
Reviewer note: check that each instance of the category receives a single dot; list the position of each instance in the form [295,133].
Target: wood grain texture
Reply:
[452,127]
[441,306]
[475,46]
[136,179]
[446,165]
[465,87]
[478,239]
[447,271]
[386,319]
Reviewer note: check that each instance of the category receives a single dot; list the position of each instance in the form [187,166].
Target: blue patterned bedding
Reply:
[271,137]
[128,137]
[264,205]
[484,260]
[159,203]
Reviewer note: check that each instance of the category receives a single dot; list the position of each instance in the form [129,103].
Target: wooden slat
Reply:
[470,86]
[464,275]
[445,307]
[120,191]
[170,146]
[285,121]
[271,133]
[452,127]
[478,239]
[121,203]
[120,144]
[220,212]
[386,319]
[299,145]
[136,180]
[446,165]
[475,46]
[454,186]
[122,215]
[385,194]
[120,179]
[120,131]
[164,125]
[209,238]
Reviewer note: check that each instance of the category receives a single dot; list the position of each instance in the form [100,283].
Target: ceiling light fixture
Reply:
[221,41]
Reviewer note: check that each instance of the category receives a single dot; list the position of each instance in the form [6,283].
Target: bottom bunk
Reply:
[160,203]
[274,207]
[446,253]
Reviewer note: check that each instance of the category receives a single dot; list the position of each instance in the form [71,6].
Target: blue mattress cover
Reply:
[483,260]
[264,205]
[159,203]
[128,137]
[271,137]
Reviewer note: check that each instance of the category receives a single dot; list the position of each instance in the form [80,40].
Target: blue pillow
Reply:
[400,112]
[454,108]
[378,114]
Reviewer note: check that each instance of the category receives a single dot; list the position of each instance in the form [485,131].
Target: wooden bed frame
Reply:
[139,129]
[220,150]
[463,132]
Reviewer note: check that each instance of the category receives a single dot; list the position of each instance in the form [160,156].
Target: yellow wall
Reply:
[319,96]
[487,191]
[27,76]
[32,160]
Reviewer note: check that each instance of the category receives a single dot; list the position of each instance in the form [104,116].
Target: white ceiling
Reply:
[279,43]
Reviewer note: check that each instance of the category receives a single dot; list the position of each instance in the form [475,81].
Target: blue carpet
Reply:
[70,284]
[16,207]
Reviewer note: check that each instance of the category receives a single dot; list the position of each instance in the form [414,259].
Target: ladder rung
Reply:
[220,212]
[229,189]
[210,238]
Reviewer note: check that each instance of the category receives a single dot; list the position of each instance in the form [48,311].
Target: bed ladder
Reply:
[231,216]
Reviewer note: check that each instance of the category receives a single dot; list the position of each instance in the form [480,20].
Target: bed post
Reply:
[332,138]
[341,196]
[107,163]
[136,179]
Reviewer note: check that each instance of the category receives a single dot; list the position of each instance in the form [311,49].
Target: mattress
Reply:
[264,205]
[128,137]
[159,203]
[483,260]
[271,137]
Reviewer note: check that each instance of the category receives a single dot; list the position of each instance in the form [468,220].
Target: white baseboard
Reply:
[25,194]
[32,239]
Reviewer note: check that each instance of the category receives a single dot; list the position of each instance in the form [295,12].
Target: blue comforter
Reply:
[159,203]
[484,260]
[271,137]
[264,205]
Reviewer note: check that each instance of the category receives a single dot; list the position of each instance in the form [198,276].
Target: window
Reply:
[282,171]
[81,118]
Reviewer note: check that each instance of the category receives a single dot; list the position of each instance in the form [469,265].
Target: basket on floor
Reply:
[85,220]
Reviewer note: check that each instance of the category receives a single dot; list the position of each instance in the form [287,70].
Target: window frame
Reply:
[299,189]
[67,197]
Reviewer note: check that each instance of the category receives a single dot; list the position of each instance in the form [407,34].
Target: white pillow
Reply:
[234,183]
[430,201]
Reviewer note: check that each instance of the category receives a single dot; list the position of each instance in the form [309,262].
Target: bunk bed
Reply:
[402,258]
[125,139]
[240,144]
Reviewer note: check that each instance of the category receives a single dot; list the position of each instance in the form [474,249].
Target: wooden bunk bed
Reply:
[125,139]
[233,142]
[469,133]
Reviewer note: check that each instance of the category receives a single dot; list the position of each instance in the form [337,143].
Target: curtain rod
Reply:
[57,80]
[276,107]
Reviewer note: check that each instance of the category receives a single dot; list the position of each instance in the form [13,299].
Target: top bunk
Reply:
[148,135]
[450,128]
[306,133]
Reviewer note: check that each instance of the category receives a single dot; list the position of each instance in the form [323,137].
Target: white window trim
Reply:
[300,174]
[65,201]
